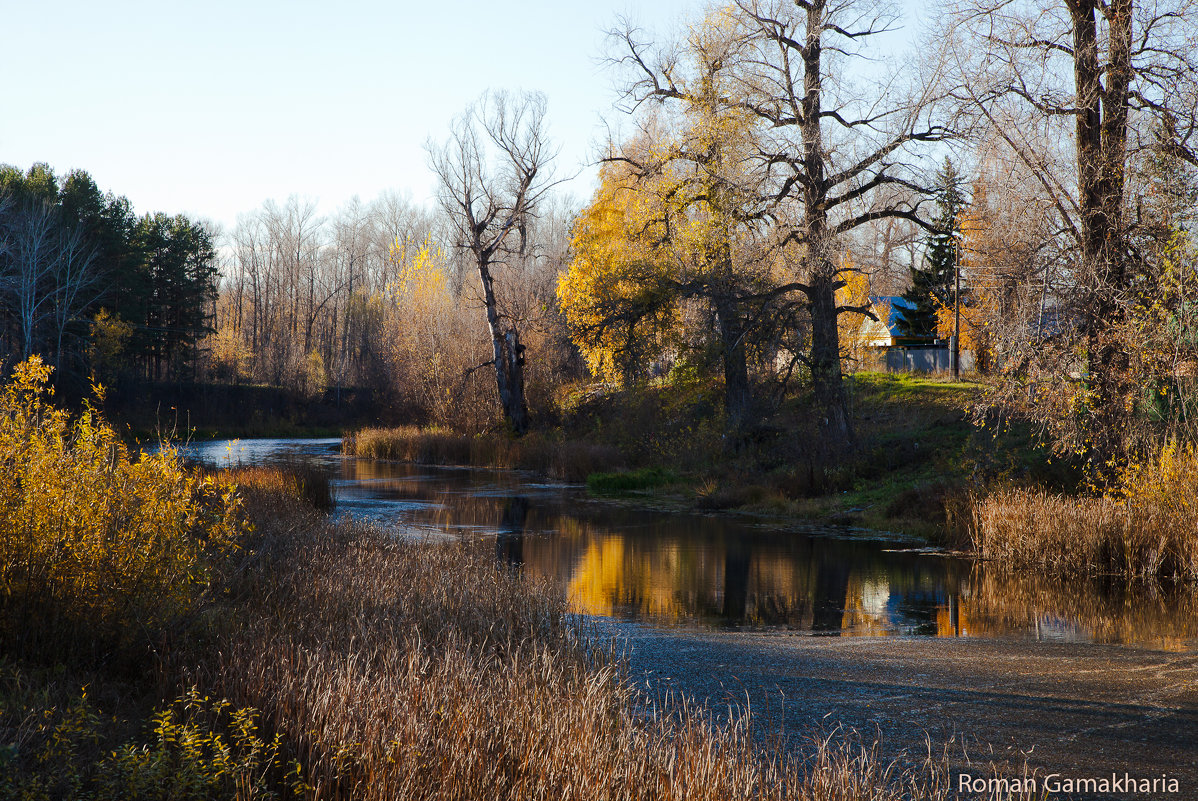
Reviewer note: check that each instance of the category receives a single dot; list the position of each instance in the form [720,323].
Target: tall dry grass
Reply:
[406,670]
[1145,527]
[566,460]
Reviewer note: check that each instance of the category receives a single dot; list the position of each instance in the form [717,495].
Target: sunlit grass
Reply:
[332,660]
[564,459]
[401,670]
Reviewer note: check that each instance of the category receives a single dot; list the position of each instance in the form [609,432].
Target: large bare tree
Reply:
[828,158]
[1095,77]
[493,172]
[839,158]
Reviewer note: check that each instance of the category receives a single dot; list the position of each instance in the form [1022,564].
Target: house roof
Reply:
[889,309]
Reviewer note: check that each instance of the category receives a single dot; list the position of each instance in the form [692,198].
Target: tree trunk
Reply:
[508,357]
[1101,160]
[825,360]
[821,290]
[738,399]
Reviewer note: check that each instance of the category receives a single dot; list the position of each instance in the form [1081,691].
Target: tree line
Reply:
[773,178]
[97,291]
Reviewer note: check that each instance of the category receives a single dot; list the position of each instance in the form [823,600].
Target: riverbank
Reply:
[916,458]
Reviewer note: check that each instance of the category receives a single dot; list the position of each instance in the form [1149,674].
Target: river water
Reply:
[823,625]
[724,572]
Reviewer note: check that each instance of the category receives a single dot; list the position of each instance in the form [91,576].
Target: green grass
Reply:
[630,481]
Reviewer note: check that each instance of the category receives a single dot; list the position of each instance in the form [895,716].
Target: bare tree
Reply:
[836,154]
[1090,75]
[49,273]
[493,173]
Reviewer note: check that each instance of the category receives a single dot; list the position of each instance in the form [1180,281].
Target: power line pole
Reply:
[956,355]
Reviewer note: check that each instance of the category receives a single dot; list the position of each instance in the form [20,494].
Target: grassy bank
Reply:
[266,652]
[915,458]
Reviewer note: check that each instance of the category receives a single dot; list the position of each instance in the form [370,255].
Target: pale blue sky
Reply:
[211,108]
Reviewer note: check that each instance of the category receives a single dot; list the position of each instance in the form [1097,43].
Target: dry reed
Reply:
[407,670]
[1143,527]
[1085,535]
[567,460]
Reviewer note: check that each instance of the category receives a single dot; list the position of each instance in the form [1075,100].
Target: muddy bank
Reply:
[1069,708]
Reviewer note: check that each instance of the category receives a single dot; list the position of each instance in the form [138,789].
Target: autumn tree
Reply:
[493,173]
[838,158]
[616,291]
[692,168]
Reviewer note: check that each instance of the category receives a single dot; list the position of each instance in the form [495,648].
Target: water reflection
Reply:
[719,572]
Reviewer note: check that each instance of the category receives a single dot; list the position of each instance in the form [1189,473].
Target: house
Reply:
[885,332]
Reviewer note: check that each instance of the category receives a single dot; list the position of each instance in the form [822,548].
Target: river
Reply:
[823,626]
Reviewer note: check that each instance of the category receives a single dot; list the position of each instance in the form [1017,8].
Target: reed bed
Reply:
[300,480]
[1127,537]
[412,671]
[566,460]
[1144,526]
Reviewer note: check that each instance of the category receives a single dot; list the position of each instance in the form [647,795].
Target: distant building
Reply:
[886,331]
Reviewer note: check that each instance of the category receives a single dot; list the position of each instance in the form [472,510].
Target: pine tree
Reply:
[932,285]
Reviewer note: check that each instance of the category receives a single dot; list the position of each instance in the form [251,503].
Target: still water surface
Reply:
[726,572]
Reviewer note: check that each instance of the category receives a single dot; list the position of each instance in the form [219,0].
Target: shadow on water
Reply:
[720,572]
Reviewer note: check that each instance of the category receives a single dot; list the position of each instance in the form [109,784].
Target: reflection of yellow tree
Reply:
[866,610]
[611,573]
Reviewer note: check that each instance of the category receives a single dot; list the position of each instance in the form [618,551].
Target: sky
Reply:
[209,109]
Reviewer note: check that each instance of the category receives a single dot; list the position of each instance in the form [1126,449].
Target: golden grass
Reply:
[390,670]
[1145,526]
[567,460]
[414,670]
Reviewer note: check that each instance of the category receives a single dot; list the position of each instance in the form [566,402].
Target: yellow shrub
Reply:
[91,534]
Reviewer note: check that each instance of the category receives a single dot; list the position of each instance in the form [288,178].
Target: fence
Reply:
[924,360]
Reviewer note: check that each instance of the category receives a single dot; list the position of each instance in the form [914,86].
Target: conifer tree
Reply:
[932,285]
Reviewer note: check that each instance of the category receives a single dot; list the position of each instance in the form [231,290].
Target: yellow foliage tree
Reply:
[429,337]
[110,337]
[854,293]
[616,291]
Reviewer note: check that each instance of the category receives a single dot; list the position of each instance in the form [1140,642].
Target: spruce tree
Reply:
[932,285]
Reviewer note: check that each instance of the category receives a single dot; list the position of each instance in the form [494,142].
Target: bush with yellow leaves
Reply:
[98,546]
